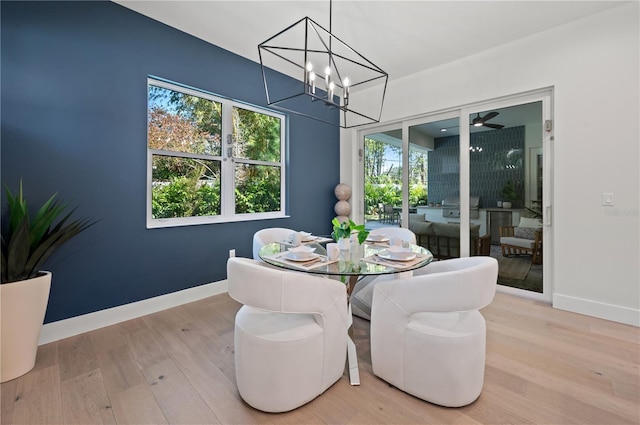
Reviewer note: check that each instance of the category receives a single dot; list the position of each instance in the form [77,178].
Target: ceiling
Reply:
[401,37]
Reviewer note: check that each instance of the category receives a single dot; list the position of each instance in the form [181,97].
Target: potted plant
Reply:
[27,242]
[509,194]
[342,231]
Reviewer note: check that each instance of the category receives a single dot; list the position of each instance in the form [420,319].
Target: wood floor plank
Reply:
[47,356]
[107,338]
[7,397]
[137,405]
[119,370]
[38,399]
[145,348]
[77,356]
[178,399]
[222,354]
[85,400]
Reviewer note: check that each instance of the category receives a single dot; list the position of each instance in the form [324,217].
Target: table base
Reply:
[352,355]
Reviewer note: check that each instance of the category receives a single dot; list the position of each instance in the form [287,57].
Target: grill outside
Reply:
[451,207]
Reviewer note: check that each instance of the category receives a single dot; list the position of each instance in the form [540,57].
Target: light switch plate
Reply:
[607,199]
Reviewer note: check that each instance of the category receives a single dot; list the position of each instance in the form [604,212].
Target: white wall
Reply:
[593,67]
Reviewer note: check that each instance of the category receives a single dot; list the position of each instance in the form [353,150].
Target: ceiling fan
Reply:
[482,121]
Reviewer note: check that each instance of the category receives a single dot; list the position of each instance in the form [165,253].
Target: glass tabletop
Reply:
[371,259]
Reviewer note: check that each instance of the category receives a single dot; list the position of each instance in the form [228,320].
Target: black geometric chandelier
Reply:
[327,73]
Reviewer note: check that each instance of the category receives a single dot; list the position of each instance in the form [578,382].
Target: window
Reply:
[196,174]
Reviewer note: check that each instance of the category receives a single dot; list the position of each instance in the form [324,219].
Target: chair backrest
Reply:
[269,235]
[396,232]
[459,284]
[388,208]
[254,284]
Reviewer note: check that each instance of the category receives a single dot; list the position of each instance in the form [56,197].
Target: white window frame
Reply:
[227,164]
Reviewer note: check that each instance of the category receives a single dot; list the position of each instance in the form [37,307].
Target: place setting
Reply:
[395,256]
[302,238]
[378,239]
[305,257]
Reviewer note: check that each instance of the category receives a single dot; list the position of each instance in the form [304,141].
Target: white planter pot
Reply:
[23,305]
[506,204]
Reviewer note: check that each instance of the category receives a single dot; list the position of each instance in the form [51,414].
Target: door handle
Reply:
[547,215]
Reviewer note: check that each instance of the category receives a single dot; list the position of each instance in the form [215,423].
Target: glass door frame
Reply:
[406,125]
[545,96]
[359,178]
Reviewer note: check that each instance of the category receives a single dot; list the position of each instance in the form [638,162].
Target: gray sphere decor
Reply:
[342,192]
[342,208]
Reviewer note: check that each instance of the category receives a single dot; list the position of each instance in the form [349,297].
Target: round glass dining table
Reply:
[368,259]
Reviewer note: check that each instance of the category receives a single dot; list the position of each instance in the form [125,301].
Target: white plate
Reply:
[293,257]
[306,236]
[397,256]
[377,239]
[302,249]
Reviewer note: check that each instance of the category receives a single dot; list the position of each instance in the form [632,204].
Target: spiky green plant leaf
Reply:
[28,243]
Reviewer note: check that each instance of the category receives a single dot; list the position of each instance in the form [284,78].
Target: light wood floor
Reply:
[544,366]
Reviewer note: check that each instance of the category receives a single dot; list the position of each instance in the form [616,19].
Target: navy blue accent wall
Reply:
[73,105]
[497,157]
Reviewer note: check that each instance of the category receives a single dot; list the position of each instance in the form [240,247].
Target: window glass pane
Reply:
[185,187]
[257,188]
[183,123]
[256,135]
[383,177]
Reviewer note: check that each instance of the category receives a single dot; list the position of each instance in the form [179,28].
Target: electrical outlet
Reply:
[607,199]
[232,253]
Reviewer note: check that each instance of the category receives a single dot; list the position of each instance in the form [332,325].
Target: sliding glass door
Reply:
[505,164]
[478,174]
[397,171]
[383,178]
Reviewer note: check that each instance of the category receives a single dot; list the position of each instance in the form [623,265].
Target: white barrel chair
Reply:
[427,336]
[290,335]
[269,235]
[362,295]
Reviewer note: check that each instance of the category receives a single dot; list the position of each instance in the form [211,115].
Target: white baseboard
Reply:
[606,311]
[536,296]
[87,322]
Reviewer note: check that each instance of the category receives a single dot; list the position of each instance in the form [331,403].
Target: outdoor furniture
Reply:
[290,337]
[526,238]
[443,239]
[389,214]
[427,336]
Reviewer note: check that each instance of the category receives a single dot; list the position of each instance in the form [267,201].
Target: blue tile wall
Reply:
[500,159]
[74,113]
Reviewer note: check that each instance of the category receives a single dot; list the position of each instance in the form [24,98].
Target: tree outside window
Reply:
[383,176]
[195,176]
